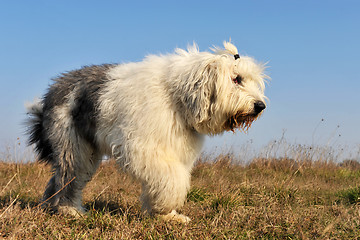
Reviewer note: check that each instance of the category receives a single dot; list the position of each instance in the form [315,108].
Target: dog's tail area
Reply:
[36,131]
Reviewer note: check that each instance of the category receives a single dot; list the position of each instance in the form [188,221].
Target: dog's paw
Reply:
[72,211]
[174,216]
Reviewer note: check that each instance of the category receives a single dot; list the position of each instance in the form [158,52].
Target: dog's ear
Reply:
[200,93]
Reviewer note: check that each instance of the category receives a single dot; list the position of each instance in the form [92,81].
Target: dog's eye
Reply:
[238,79]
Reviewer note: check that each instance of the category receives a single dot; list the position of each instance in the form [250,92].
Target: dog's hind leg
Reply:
[74,161]
[77,164]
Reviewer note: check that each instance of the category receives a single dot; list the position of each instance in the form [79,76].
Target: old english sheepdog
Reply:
[151,116]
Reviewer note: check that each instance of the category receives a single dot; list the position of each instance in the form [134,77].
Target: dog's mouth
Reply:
[240,121]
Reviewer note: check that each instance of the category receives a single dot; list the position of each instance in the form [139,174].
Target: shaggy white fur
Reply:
[151,116]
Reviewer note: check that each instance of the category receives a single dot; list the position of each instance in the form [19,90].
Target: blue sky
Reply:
[313,50]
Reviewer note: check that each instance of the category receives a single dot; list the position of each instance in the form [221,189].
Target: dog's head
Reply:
[221,91]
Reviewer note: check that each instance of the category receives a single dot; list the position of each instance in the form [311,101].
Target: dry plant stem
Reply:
[56,192]
[8,183]
[12,203]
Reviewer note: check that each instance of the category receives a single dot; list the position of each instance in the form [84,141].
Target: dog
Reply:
[151,116]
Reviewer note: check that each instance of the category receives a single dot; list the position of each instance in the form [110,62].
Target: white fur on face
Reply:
[238,99]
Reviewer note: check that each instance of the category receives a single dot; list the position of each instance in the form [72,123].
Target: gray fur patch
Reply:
[84,85]
[64,128]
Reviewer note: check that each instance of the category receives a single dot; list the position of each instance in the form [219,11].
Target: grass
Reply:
[264,199]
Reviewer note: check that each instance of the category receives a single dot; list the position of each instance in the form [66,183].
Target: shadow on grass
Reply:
[97,207]
[23,201]
[112,207]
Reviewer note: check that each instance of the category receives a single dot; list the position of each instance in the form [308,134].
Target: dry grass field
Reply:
[265,199]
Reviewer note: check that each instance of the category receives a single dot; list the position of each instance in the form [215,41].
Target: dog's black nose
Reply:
[259,106]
